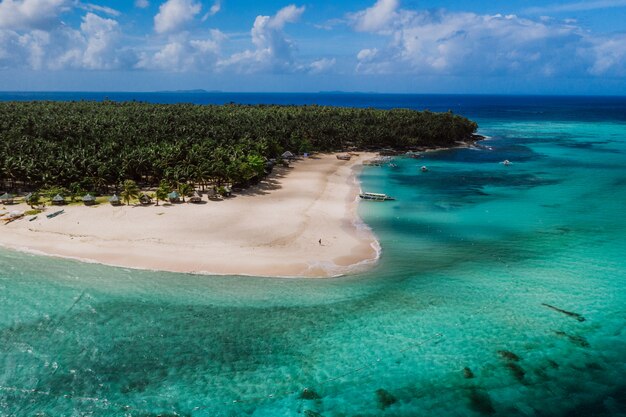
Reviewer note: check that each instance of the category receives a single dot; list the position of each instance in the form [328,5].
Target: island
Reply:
[271,196]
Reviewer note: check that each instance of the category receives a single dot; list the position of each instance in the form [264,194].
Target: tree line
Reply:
[96,146]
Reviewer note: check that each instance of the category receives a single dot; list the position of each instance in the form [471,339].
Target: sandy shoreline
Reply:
[270,230]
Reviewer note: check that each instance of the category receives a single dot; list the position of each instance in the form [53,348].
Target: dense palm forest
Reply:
[95,146]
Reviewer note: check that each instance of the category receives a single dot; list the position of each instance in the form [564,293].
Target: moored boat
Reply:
[56,213]
[375,197]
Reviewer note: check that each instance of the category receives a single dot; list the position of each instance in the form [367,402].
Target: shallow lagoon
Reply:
[472,250]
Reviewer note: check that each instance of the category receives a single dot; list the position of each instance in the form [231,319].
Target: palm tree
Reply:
[130,190]
[185,189]
[34,200]
[162,192]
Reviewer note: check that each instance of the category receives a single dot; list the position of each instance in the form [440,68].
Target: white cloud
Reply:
[101,38]
[377,17]
[456,43]
[30,14]
[322,65]
[94,46]
[174,15]
[577,7]
[273,50]
[184,54]
[142,4]
[608,55]
[96,8]
[217,6]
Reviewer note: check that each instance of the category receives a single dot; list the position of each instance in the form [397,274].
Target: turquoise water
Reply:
[472,250]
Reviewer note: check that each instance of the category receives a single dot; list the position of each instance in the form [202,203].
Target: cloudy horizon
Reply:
[565,47]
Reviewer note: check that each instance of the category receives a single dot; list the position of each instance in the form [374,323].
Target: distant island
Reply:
[94,147]
[194,91]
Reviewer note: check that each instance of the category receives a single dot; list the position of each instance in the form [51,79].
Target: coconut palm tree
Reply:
[162,192]
[185,189]
[130,190]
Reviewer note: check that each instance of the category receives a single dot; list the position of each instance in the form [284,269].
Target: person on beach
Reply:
[320,241]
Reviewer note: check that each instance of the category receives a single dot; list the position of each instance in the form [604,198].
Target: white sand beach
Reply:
[272,229]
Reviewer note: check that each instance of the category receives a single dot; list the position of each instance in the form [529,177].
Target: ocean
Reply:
[501,291]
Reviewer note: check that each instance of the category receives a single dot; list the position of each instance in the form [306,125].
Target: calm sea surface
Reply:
[465,315]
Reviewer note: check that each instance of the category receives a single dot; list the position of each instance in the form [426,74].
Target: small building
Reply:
[6,198]
[115,200]
[89,200]
[58,200]
[195,198]
[145,199]
[288,155]
[174,197]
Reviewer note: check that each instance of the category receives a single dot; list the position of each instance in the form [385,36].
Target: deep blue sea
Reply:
[501,291]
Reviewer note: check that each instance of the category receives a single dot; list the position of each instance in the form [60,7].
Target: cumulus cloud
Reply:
[182,53]
[174,15]
[101,41]
[377,17]
[274,51]
[95,45]
[31,14]
[142,4]
[456,43]
[322,65]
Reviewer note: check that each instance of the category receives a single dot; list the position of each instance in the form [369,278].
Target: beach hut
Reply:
[115,200]
[288,155]
[27,198]
[145,199]
[195,198]
[58,200]
[174,197]
[6,198]
[89,200]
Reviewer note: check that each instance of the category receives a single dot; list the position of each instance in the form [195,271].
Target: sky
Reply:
[385,46]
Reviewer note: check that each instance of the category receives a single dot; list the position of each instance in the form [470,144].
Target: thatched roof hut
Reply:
[195,198]
[288,155]
[89,200]
[58,200]
[6,198]
[145,199]
[115,200]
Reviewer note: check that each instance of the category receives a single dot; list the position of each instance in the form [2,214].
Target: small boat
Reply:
[345,157]
[56,213]
[13,216]
[506,162]
[32,219]
[375,197]
[424,168]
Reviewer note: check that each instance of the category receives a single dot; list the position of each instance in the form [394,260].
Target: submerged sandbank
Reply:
[272,229]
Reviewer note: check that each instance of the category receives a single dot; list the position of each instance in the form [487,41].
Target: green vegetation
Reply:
[130,191]
[74,147]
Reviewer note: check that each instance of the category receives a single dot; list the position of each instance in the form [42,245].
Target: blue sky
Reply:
[446,46]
